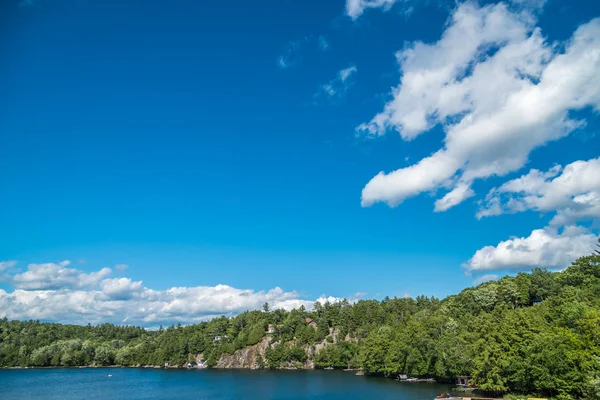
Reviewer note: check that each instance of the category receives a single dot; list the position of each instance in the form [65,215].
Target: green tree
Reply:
[104,355]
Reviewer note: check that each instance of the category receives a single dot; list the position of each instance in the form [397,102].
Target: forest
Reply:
[532,333]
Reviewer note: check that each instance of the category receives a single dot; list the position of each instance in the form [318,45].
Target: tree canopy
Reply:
[536,333]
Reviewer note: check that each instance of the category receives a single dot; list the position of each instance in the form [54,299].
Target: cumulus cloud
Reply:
[544,248]
[338,86]
[499,91]
[121,288]
[485,278]
[53,292]
[573,192]
[57,276]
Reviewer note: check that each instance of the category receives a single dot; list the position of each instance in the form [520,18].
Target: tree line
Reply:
[534,333]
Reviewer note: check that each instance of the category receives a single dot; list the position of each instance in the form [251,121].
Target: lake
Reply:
[141,384]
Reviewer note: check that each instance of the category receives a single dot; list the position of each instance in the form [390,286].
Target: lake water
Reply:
[141,384]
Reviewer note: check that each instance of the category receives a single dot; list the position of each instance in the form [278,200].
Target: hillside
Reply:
[537,332]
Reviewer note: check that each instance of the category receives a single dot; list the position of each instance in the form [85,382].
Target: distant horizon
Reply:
[176,160]
[202,298]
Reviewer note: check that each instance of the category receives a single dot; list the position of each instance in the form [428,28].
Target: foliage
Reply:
[535,333]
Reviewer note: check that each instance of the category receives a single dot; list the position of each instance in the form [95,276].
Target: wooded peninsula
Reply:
[535,333]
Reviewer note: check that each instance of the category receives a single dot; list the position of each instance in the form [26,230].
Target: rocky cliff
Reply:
[248,357]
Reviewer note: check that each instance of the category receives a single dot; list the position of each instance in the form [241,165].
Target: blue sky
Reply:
[237,144]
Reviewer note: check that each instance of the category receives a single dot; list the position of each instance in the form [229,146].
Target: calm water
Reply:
[138,384]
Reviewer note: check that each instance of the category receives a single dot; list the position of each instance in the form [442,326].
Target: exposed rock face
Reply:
[246,357]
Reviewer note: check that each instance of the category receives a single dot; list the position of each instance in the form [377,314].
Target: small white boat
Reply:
[109,375]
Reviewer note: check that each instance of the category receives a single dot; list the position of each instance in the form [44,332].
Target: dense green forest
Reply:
[535,333]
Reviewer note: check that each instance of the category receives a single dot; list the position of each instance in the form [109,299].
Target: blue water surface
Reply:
[141,384]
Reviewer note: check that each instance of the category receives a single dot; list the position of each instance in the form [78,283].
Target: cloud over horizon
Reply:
[53,292]
[544,248]
[570,194]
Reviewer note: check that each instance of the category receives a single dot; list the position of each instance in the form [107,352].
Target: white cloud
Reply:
[48,292]
[491,125]
[57,276]
[454,197]
[331,299]
[544,248]
[355,8]
[121,288]
[573,192]
[338,86]
[346,73]
[485,278]
[121,267]
[5,265]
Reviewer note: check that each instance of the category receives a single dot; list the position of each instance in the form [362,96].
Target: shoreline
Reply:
[178,368]
[356,372]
